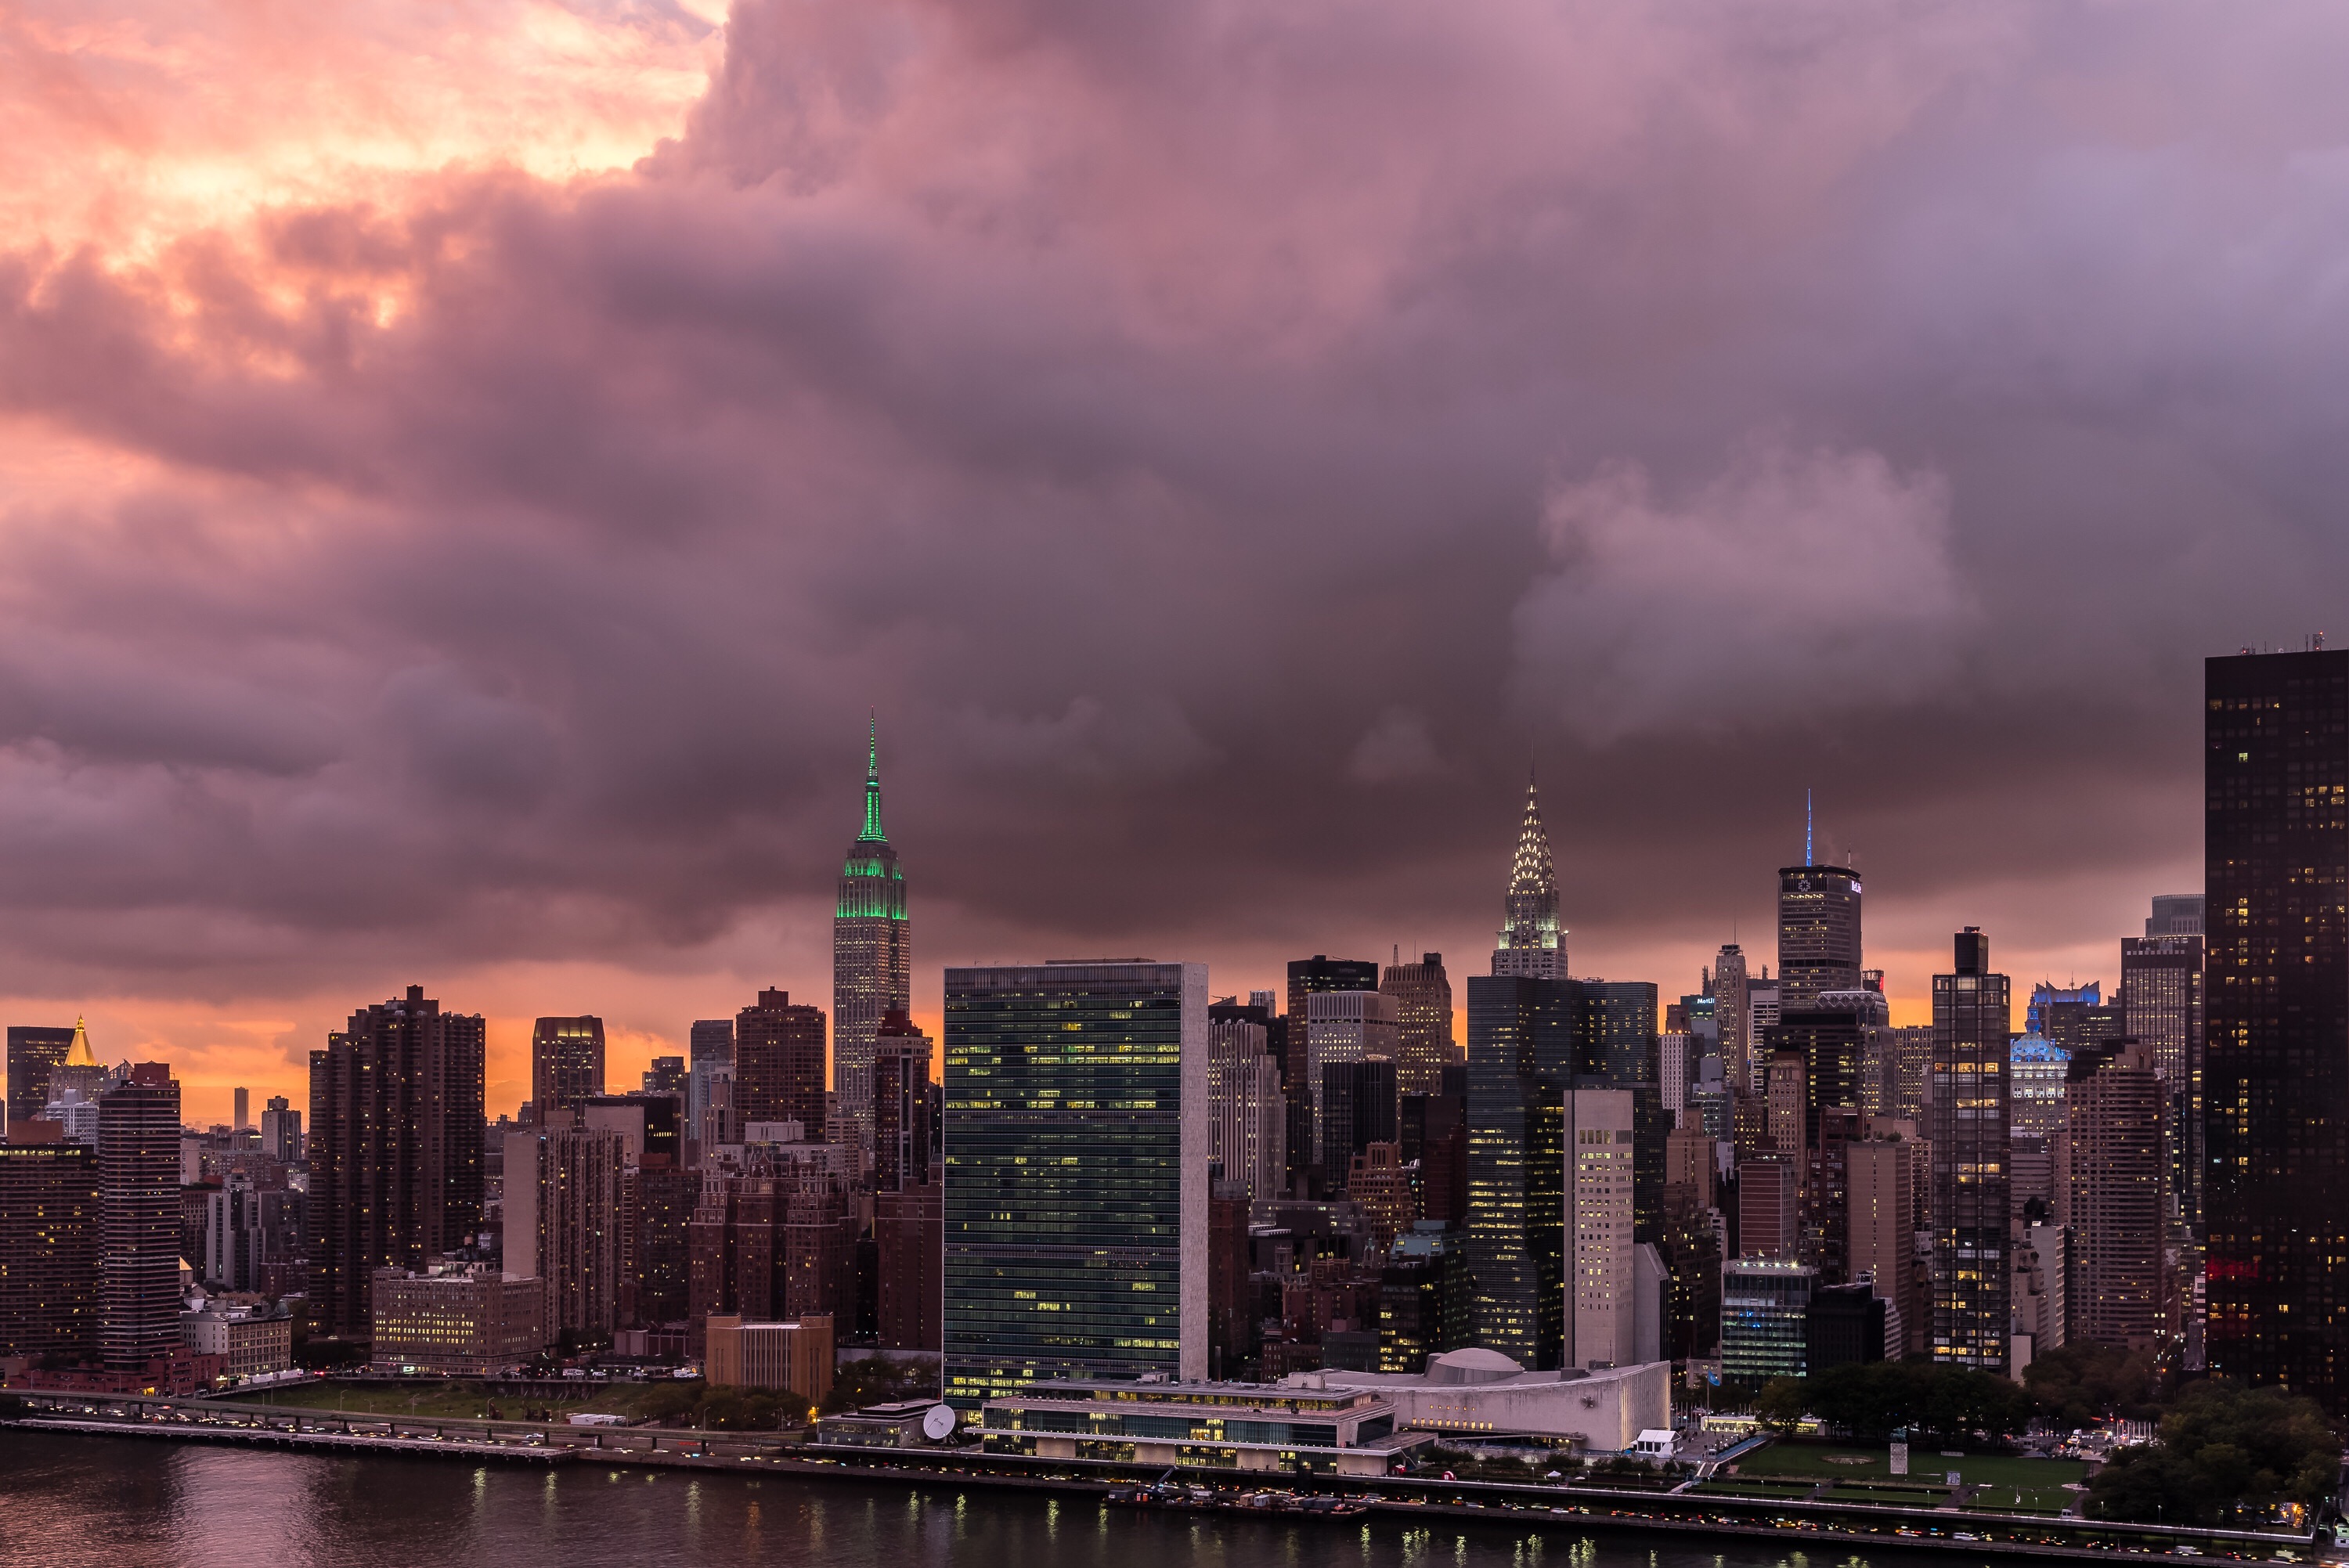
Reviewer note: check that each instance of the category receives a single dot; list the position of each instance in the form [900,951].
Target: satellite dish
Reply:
[938,1423]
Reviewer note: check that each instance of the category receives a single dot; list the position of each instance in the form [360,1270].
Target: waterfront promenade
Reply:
[1393,1499]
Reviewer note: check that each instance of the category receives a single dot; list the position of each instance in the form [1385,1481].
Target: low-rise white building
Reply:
[251,1340]
[1291,1428]
[1483,1394]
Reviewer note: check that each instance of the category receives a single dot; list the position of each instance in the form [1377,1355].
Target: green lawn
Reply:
[1813,1459]
[455,1399]
[1925,1466]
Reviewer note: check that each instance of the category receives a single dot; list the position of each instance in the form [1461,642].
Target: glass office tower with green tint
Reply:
[1076,1174]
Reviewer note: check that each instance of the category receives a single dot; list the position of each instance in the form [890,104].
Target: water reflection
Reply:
[97,1502]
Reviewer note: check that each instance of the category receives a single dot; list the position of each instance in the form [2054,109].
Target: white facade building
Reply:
[1248,1129]
[1602,1320]
[1674,1051]
[1483,1394]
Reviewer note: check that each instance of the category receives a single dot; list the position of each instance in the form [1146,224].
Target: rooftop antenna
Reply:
[1806,828]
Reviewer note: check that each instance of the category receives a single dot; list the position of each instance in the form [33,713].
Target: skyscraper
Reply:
[1359,1107]
[1342,1026]
[2175,914]
[1422,995]
[1883,1225]
[566,1063]
[2162,1008]
[1308,978]
[396,1131]
[711,1044]
[1248,1115]
[281,1131]
[564,1223]
[138,1219]
[2046,995]
[1730,1012]
[1521,1060]
[49,1249]
[779,1064]
[1762,1011]
[1531,942]
[31,1052]
[1601,1321]
[1912,1070]
[1076,1197]
[872,955]
[1818,933]
[2082,1023]
[1973,1015]
[2276,1072]
[901,1105]
[2119,1173]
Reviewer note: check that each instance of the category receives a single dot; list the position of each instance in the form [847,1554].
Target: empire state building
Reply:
[1531,946]
[872,955]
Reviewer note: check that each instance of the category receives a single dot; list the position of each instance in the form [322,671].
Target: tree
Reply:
[872,1380]
[1943,1404]
[1780,1405]
[670,1401]
[2081,1383]
[2226,1452]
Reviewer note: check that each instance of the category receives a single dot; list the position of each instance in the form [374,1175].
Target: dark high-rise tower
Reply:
[566,1063]
[395,1128]
[902,1134]
[1532,944]
[49,1248]
[1521,1058]
[139,1218]
[1973,1014]
[872,954]
[31,1052]
[1818,933]
[779,1064]
[2276,1067]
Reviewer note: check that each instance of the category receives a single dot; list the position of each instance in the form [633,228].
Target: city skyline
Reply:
[639,1034]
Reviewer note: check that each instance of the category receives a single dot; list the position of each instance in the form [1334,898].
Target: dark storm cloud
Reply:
[1224,442]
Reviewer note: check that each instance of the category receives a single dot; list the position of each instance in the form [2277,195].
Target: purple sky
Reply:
[469,472]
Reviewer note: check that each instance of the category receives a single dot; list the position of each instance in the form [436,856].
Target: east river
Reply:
[106,1502]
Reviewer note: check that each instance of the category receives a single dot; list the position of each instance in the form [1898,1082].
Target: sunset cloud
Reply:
[471,468]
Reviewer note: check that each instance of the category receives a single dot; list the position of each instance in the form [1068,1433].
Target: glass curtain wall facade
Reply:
[1818,933]
[1973,1014]
[33,1051]
[1521,1050]
[2276,1064]
[1076,1129]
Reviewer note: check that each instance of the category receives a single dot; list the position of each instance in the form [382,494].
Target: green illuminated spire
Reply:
[872,833]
